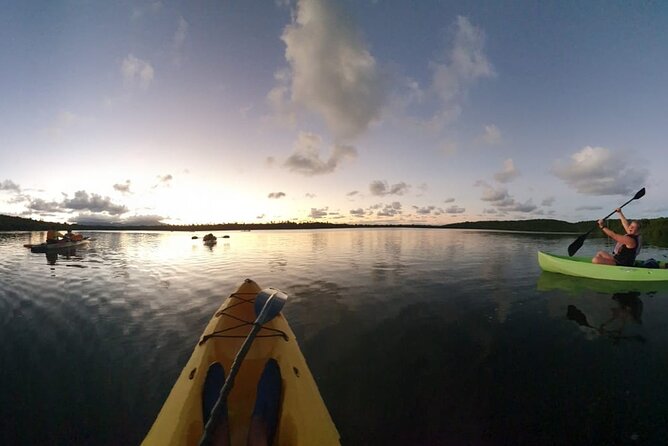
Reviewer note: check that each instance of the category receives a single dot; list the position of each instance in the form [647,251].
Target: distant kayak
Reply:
[582,267]
[303,417]
[43,247]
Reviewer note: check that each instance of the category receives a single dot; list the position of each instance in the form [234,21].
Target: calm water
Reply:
[414,336]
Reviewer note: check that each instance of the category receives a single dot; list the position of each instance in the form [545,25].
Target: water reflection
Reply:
[576,285]
[53,255]
[628,309]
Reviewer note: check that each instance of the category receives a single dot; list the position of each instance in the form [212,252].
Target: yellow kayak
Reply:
[303,418]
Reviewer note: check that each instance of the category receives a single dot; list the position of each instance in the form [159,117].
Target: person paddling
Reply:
[72,237]
[628,245]
[52,236]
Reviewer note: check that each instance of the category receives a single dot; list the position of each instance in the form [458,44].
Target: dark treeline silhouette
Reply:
[654,231]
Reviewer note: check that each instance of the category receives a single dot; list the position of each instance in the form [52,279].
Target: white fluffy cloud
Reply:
[508,173]
[306,156]
[331,71]
[465,64]
[137,71]
[600,171]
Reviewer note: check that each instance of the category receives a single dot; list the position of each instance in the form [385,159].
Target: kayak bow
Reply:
[303,416]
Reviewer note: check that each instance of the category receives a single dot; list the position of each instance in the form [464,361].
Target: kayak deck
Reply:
[303,416]
[583,267]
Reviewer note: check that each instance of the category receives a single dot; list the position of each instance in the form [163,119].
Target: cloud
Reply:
[309,195]
[588,208]
[164,180]
[93,203]
[318,213]
[502,200]
[508,173]
[260,217]
[63,121]
[180,36]
[454,209]
[143,220]
[124,188]
[9,185]
[306,156]
[381,188]
[548,201]
[465,64]
[600,171]
[491,135]
[359,212]
[331,71]
[390,210]
[352,193]
[276,195]
[448,148]
[137,71]
[41,206]
[425,210]
[491,194]
[449,200]
[270,161]
[513,206]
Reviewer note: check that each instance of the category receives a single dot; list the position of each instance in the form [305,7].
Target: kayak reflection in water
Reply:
[629,308]
[628,245]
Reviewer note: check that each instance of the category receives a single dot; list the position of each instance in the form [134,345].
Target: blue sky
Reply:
[347,111]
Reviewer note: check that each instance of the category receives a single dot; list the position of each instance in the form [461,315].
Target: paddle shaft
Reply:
[212,423]
[577,244]
[608,216]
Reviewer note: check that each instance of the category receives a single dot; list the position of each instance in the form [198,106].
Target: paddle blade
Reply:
[577,244]
[639,194]
[268,303]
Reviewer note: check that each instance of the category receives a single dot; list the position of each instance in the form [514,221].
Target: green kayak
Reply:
[582,267]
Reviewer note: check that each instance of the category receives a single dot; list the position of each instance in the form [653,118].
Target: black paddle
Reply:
[577,244]
[268,303]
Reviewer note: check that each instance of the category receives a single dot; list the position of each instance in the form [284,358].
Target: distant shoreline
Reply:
[655,231]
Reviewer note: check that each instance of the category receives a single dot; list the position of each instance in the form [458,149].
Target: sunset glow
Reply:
[342,111]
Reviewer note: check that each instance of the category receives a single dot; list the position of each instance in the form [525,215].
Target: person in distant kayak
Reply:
[72,237]
[628,245]
[53,235]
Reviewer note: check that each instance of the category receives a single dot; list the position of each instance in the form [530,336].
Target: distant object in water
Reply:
[226,236]
[194,237]
[209,239]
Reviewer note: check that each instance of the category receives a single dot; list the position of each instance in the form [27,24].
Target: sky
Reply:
[428,112]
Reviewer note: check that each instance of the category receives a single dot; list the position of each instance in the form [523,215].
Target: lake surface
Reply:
[414,336]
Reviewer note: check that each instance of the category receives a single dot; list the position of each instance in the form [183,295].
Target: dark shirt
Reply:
[627,256]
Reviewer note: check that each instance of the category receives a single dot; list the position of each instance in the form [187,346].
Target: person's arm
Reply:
[623,219]
[624,239]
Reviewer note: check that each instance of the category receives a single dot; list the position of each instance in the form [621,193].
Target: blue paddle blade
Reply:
[268,303]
